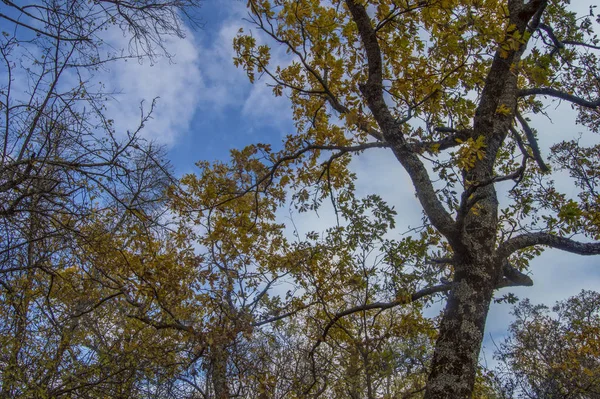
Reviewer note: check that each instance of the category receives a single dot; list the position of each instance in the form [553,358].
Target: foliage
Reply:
[100,297]
[448,87]
[78,202]
[553,353]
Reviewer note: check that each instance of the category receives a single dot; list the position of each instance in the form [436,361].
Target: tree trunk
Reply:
[456,356]
[476,274]
[219,372]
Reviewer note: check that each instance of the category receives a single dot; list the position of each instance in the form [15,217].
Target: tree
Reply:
[99,299]
[366,352]
[238,310]
[446,86]
[553,354]
[68,181]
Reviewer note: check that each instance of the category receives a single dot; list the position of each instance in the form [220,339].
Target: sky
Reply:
[206,106]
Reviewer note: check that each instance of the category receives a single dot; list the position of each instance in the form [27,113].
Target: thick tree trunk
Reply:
[472,235]
[455,361]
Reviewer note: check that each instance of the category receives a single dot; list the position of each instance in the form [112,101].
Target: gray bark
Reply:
[478,269]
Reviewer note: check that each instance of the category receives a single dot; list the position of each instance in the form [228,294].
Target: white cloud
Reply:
[226,89]
[263,108]
[177,83]
[225,85]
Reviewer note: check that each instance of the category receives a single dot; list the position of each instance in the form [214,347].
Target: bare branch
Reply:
[560,44]
[514,277]
[96,305]
[161,325]
[535,149]
[548,91]
[454,139]
[551,240]
[41,32]
[282,316]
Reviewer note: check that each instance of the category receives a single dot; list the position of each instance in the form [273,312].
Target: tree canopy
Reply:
[448,87]
[118,279]
[553,353]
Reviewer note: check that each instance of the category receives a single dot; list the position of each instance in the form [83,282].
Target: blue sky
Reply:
[207,106]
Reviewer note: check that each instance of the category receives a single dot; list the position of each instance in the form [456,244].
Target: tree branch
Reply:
[404,300]
[513,277]
[42,32]
[162,325]
[326,91]
[548,91]
[281,316]
[551,240]
[560,44]
[270,176]
[445,143]
[372,90]
[535,149]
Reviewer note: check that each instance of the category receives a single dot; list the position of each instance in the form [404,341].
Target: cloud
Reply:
[226,89]
[263,108]
[176,84]
[225,85]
